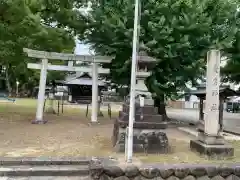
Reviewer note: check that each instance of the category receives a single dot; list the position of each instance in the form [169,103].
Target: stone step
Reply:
[146,117]
[145,110]
[144,125]
[47,170]
[46,178]
[4,161]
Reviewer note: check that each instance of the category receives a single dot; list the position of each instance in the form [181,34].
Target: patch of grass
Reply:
[27,105]
[26,102]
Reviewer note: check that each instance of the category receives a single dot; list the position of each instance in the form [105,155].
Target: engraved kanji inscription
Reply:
[215,81]
[214,107]
[216,68]
[214,93]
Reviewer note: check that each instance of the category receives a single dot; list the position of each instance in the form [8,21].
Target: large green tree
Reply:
[178,33]
[231,71]
[25,23]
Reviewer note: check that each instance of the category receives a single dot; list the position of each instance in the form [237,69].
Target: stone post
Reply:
[94,93]
[41,94]
[212,93]
[210,142]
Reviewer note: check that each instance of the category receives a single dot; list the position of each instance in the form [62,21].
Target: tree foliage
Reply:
[231,70]
[23,24]
[178,33]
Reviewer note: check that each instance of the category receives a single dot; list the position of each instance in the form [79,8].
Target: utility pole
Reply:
[133,83]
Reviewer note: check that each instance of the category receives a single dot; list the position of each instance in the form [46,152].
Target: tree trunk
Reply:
[9,88]
[160,104]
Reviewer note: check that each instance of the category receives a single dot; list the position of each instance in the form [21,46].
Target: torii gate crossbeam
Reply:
[44,66]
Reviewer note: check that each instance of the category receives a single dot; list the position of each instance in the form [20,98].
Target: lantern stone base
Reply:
[214,146]
[144,141]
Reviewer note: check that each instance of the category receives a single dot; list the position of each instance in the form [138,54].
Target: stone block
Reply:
[147,109]
[224,150]
[149,173]
[121,178]
[166,172]
[212,171]
[131,171]
[198,171]
[144,114]
[173,172]
[225,171]
[123,116]
[113,171]
[144,125]
[203,178]
[218,178]
[211,140]
[182,172]
[144,140]
[237,171]
[189,178]
[173,178]
[233,177]
[105,177]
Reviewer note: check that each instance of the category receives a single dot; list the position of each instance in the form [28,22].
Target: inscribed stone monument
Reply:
[210,142]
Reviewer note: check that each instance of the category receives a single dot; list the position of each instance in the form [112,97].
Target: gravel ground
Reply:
[69,135]
[62,134]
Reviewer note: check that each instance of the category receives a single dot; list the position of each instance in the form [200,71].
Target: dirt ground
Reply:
[70,134]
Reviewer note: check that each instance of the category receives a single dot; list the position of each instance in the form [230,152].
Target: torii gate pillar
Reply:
[94,93]
[41,94]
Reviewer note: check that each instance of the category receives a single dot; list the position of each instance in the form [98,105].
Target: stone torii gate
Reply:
[44,66]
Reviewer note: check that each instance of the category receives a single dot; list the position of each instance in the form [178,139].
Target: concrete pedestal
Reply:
[211,146]
[224,150]
[144,141]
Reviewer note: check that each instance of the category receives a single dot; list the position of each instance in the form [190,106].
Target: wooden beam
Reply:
[67,57]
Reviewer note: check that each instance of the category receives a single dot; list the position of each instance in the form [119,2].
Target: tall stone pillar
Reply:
[94,93]
[209,141]
[41,94]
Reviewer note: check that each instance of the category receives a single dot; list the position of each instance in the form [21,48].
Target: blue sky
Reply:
[81,48]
